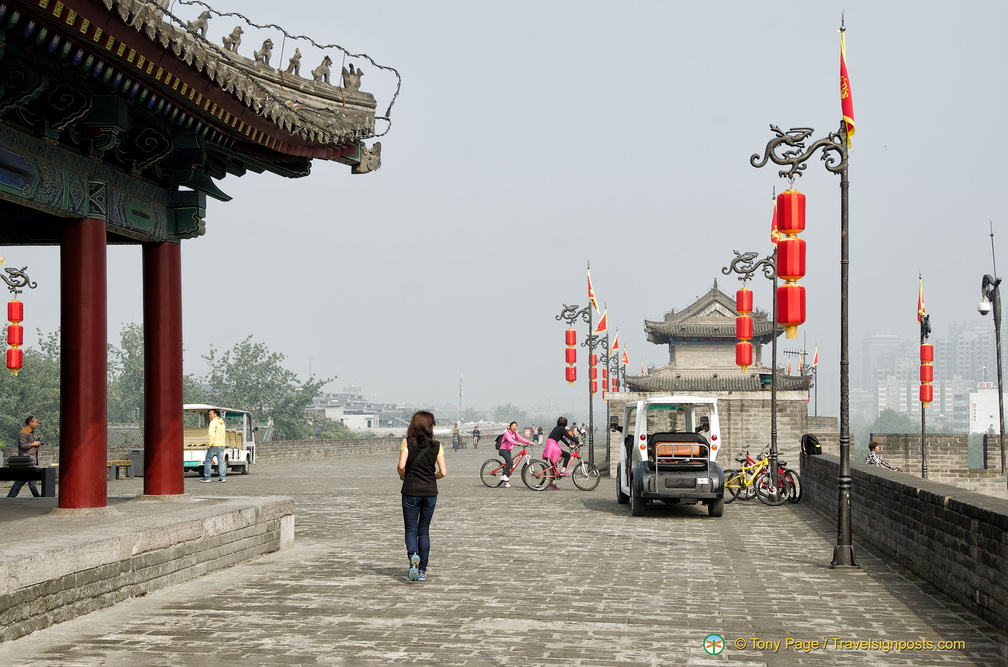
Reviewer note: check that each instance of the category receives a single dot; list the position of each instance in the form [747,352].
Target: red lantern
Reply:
[615,384]
[570,337]
[571,374]
[571,355]
[744,327]
[791,308]
[744,301]
[15,358]
[927,353]
[15,311]
[927,373]
[791,258]
[594,386]
[15,335]
[605,372]
[594,360]
[926,393]
[791,212]
[743,355]
[593,373]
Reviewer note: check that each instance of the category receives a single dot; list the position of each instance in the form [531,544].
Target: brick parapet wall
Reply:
[947,460]
[954,539]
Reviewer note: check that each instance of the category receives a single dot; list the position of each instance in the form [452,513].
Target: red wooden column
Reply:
[83,365]
[162,314]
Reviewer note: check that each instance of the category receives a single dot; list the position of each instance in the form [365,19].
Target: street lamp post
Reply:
[570,315]
[925,331]
[991,301]
[746,265]
[788,149]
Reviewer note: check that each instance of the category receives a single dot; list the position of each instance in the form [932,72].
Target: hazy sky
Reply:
[532,137]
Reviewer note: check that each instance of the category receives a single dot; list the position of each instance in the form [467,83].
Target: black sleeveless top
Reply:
[420,466]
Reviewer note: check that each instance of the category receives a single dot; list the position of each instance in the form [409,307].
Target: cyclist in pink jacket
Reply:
[510,439]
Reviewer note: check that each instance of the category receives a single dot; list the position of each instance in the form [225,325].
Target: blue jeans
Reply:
[221,468]
[417,513]
[16,488]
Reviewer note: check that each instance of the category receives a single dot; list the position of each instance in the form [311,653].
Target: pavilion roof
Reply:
[711,316]
[735,381]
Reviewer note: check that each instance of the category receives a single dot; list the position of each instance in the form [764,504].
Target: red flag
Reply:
[615,345]
[643,371]
[626,359]
[591,293]
[775,234]
[603,324]
[846,101]
[789,367]
[921,312]
[815,357]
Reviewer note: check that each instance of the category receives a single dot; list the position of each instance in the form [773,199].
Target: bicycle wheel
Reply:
[586,476]
[772,490]
[536,475]
[732,485]
[491,472]
[792,477]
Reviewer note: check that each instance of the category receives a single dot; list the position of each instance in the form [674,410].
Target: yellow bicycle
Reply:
[754,479]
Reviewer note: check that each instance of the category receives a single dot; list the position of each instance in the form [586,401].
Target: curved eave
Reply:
[723,382]
[195,82]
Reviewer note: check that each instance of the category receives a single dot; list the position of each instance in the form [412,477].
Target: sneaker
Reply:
[505,478]
[205,481]
[414,567]
[554,487]
[222,481]
[507,485]
[422,575]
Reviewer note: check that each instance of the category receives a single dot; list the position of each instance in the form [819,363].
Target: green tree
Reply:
[473,415]
[251,377]
[510,413]
[35,390]
[126,376]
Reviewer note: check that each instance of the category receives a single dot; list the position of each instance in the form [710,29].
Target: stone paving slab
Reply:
[520,578]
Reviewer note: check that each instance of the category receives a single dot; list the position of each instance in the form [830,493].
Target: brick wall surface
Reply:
[954,539]
[947,460]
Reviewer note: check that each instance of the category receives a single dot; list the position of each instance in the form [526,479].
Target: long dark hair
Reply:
[421,429]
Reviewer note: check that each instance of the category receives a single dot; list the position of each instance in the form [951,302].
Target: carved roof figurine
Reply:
[294,65]
[233,41]
[351,78]
[199,25]
[264,54]
[321,73]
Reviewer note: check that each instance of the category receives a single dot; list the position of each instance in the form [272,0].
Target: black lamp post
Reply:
[788,150]
[991,301]
[925,331]
[746,265]
[570,315]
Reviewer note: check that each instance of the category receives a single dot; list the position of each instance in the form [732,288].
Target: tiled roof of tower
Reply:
[712,315]
[717,382]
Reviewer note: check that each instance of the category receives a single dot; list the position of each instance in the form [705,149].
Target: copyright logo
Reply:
[740,643]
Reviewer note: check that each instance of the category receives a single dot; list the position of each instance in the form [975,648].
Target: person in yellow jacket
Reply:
[215,447]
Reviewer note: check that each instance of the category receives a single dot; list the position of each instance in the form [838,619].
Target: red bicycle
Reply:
[493,470]
[538,475]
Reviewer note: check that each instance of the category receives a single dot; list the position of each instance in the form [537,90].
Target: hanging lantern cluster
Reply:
[570,338]
[605,381]
[926,373]
[594,373]
[744,328]
[791,261]
[15,335]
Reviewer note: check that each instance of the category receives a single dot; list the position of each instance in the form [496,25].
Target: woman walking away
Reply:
[510,439]
[421,464]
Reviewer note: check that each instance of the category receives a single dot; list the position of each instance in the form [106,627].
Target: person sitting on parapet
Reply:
[875,459]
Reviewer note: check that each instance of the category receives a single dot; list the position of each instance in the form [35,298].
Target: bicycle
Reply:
[492,470]
[539,474]
[755,479]
[476,439]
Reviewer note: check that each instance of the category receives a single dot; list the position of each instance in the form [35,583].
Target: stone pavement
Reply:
[521,578]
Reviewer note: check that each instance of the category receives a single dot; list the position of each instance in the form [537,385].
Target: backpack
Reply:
[498,440]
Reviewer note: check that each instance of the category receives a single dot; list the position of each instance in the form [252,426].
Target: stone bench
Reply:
[119,466]
[28,474]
